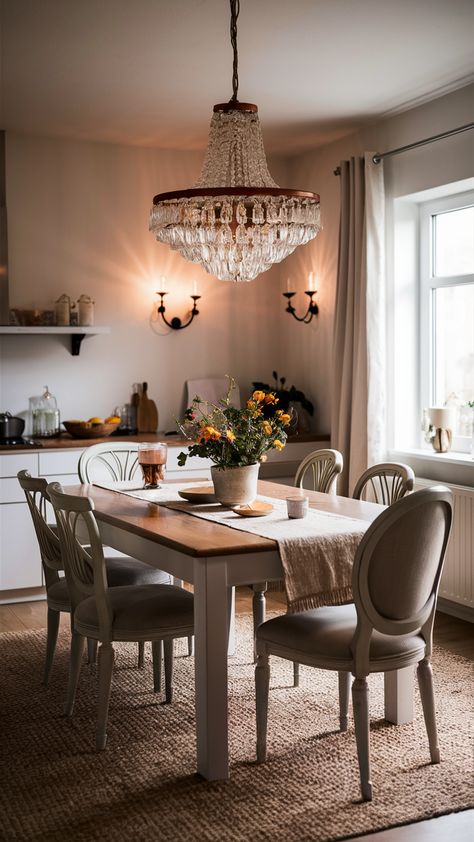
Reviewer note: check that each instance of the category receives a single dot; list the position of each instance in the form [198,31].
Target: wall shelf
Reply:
[77,334]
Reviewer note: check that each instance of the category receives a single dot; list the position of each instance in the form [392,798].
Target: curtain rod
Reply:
[379,156]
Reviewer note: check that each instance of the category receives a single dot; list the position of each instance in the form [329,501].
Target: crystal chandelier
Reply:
[235,222]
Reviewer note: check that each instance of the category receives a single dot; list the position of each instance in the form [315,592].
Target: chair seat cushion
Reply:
[58,596]
[140,612]
[123,570]
[326,633]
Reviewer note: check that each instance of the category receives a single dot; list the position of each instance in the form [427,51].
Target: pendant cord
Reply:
[234,13]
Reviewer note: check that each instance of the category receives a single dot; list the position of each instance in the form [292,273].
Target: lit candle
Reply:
[162,284]
[311,282]
[288,285]
[195,288]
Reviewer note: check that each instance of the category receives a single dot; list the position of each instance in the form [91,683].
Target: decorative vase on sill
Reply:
[235,486]
[235,440]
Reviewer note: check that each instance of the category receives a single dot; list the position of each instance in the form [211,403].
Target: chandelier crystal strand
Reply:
[235,222]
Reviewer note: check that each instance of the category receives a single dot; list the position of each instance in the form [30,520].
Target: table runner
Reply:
[316,552]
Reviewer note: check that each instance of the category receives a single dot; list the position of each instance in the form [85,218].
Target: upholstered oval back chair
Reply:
[389,626]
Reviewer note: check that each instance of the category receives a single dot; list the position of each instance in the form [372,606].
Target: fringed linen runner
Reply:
[317,552]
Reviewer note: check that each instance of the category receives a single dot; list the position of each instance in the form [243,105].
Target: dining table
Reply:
[215,559]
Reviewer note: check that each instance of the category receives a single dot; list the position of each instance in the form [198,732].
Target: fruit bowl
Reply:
[87,430]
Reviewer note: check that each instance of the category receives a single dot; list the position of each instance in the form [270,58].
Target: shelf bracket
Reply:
[76,341]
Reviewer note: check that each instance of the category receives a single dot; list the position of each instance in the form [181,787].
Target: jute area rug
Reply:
[54,786]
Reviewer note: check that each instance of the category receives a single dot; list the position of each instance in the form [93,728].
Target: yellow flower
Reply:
[267,428]
[258,396]
[209,433]
[230,435]
[285,418]
[270,398]
[250,405]
[278,444]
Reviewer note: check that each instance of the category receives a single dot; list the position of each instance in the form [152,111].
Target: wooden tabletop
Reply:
[198,537]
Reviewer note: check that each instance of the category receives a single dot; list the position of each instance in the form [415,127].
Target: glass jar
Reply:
[45,415]
[85,307]
[62,309]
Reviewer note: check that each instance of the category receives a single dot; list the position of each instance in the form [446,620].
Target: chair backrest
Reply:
[398,565]
[385,483]
[211,389]
[84,564]
[109,461]
[48,540]
[319,471]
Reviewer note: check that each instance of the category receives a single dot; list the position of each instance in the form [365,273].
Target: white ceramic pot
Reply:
[235,486]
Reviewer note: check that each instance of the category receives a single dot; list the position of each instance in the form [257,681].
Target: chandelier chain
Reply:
[234,13]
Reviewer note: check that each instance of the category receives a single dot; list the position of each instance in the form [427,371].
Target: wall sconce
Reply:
[175,323]
[313,308]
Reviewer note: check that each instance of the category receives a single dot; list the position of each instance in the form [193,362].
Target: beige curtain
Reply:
[358,393]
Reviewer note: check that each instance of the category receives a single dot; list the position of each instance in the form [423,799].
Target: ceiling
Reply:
[147,72]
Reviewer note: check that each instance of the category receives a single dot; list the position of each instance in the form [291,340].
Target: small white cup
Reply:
[297,506]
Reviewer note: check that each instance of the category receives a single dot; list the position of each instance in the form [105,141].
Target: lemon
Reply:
[95,420]
[113,419]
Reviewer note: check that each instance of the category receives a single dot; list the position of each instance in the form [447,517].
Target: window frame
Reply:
[428,284]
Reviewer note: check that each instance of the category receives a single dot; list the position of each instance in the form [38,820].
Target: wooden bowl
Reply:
[89,431]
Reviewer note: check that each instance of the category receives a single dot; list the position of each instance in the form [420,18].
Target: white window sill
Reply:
[453,467]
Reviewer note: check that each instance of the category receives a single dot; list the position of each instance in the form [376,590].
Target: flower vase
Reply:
[235,486]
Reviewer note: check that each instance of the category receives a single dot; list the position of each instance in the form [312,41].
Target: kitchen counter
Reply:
[65,441]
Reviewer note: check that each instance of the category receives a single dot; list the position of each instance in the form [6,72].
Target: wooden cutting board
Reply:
[147,413]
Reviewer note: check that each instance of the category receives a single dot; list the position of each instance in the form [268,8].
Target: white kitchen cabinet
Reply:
[20,562]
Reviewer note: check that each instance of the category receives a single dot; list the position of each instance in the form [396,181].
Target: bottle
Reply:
[45,414]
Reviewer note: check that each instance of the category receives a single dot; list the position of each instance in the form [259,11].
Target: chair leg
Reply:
[258,610]
[168,647]
[141,655]
[75,660]
[106,666]
[262,683]
[425,683]
[360,705]
[296,674]
[190,645]
[344,680]
[91,650]
[51,639]
[157,655]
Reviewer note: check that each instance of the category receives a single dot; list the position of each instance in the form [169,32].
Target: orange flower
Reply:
[270,398]
[209,433]
[267,428]
[250,405]
[285,418]
[230,436]
[278,444]
[258,396]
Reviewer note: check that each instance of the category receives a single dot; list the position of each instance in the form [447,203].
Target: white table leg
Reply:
[231,620]
[399,695]
[211,628]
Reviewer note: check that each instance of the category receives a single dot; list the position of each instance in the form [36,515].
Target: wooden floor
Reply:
[451,633]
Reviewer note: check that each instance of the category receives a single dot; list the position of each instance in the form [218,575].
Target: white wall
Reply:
[77,216]
[78,223]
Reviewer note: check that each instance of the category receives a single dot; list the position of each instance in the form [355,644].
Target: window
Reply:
[446,309]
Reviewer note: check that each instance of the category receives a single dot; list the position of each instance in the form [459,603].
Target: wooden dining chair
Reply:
[121,570]
[138,613]
[118,462]
[385,483]
[389,626]
[319,471]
